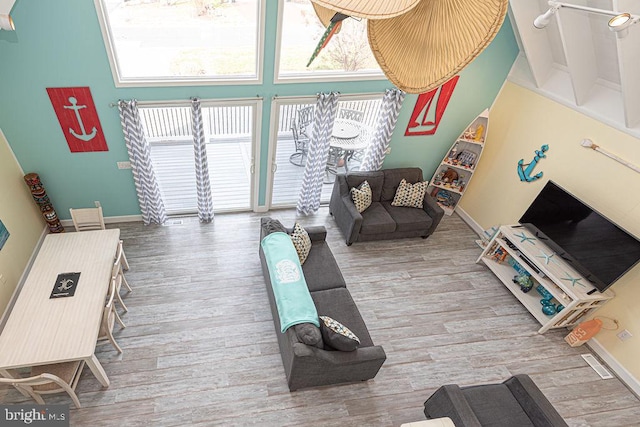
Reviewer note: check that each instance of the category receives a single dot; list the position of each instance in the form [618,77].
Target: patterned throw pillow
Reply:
[361,196]
[301,241]
[410,195]
[338,336]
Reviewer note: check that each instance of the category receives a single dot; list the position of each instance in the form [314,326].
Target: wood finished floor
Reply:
[200,347]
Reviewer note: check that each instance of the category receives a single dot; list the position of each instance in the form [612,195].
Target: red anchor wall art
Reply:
[78,118]
[429,109]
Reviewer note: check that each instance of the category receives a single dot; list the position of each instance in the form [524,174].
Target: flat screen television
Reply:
[593,245]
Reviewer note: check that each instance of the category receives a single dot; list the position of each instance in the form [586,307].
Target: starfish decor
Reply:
[525,238]
[574,281]
[546,257]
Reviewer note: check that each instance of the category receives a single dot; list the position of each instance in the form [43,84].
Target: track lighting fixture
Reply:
[619,23]
[6,22]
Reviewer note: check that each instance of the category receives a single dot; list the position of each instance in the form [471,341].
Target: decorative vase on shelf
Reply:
[549,309]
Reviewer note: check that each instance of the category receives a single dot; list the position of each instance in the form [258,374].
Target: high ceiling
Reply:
[579,62]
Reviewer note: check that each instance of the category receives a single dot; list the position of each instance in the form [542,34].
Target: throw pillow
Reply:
[301,241]
[273,225]
[338,336]
[410,195]
[361,196]
[309,334]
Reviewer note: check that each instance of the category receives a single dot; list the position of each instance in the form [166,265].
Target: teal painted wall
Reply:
[59,44]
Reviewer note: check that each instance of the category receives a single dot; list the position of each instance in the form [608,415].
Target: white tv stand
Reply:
[548,269]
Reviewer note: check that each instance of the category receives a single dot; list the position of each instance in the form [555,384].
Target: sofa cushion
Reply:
[321,270]
[375,179]
[361,196]
[339,305]
[392,178]
[410,195]
[494,406]
[376,220]
[408,219]
[309,334]
[337,336]
[301,241]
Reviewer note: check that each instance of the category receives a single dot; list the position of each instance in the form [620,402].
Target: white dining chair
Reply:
[50,379]
[121,264]
[123,257]
[86,219]
[109,317]
[116,280]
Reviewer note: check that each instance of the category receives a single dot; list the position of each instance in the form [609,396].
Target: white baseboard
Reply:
[470,221]
[622,373]
[261,209]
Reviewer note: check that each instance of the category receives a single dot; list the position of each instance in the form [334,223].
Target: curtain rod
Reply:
[187,102]
[314,96]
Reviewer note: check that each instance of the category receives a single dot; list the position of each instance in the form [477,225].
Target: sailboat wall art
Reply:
[429,109]
[451,178]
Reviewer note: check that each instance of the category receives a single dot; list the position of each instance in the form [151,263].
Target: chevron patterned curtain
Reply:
[314,170]
[387,119]
[203,185]
[149,198]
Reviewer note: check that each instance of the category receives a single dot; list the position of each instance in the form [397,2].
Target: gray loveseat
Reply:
[310,366]
[381,220]
[515,402]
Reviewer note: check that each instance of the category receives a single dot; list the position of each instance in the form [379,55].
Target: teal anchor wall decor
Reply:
[524,171]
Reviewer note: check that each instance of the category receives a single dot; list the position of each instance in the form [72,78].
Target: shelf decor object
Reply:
[44,204]
[555,282]
[587,143]
[451,178]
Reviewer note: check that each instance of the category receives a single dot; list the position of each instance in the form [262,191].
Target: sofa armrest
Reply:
[449,401]
[341,206]
[317,233]
[341,358]
[433,209]
[534,402]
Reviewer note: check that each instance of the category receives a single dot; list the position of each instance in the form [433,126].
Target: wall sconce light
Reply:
[6,22]
[619,23]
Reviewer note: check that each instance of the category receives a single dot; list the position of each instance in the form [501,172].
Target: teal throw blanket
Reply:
[292,296]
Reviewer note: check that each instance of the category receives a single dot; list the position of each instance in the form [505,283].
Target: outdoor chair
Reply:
[86,219]
[355,115]
[299,125]
[50,379]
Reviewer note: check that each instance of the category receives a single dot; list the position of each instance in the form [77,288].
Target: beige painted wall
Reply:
[22,218]
[520,122]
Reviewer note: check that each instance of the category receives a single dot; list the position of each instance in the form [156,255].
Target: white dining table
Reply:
[41,330]
[348,136]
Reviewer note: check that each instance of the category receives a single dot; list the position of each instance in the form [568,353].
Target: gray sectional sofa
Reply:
[381,220]
[310,366]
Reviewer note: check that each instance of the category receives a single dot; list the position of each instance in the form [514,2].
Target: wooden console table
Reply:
[567,286]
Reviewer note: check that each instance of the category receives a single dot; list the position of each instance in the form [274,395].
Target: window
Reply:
[156,42]
[347,56]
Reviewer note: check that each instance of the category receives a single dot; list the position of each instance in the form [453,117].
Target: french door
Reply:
[287,155]
[231,129]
